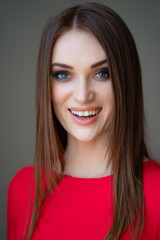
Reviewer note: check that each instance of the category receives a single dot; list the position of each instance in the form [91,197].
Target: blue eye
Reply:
[104,73]
[60,75]
[63,75]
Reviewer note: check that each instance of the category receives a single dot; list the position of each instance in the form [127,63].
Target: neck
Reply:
[87,159]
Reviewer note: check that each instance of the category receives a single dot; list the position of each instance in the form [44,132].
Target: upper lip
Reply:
[81,109]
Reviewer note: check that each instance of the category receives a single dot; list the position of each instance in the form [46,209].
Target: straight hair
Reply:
[127,146]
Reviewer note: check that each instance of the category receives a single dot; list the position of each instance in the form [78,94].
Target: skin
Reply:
[82,87]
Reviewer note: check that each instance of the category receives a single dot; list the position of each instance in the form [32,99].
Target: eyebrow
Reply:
[70,67]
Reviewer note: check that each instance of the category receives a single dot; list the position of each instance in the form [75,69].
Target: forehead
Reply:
[77,46]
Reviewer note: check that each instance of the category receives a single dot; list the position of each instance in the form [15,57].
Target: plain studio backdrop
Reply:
[21,26]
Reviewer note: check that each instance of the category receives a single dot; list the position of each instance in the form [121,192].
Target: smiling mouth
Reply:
[85,114]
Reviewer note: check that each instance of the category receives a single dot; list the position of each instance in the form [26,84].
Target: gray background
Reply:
[21,26]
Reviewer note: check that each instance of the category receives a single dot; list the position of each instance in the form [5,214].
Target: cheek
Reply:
[60,91]
[107,95]
[57,103]
[110,96]
[55,98]
[57,95]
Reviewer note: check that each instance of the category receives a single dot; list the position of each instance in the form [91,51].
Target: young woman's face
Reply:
[81,88]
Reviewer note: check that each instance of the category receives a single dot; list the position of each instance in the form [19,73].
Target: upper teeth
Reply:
[85,113]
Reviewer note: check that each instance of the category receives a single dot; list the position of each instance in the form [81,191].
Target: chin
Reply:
[84,136]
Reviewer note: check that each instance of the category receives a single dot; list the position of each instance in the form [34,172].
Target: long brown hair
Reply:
[127,147]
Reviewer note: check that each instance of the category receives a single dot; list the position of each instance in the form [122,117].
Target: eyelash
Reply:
[56,73]
[106,71]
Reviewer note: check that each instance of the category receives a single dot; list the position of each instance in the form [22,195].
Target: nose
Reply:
[83,91]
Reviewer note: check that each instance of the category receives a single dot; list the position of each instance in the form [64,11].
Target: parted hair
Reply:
[127,147]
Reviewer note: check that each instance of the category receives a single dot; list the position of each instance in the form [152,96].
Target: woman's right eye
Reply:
[60,75]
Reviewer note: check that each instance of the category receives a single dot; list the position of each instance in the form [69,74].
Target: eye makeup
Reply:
[56,74]
[64,75]
[103,74]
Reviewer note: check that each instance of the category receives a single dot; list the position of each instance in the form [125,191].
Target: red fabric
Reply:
[80,208]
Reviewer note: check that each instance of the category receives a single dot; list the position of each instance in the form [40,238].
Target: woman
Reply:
[92,177]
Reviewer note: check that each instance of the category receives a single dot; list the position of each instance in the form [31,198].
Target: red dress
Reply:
[79,209]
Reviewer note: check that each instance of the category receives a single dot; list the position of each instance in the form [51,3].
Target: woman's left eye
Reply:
[104,74]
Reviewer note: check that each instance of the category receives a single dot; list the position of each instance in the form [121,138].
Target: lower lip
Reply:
[84,121]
